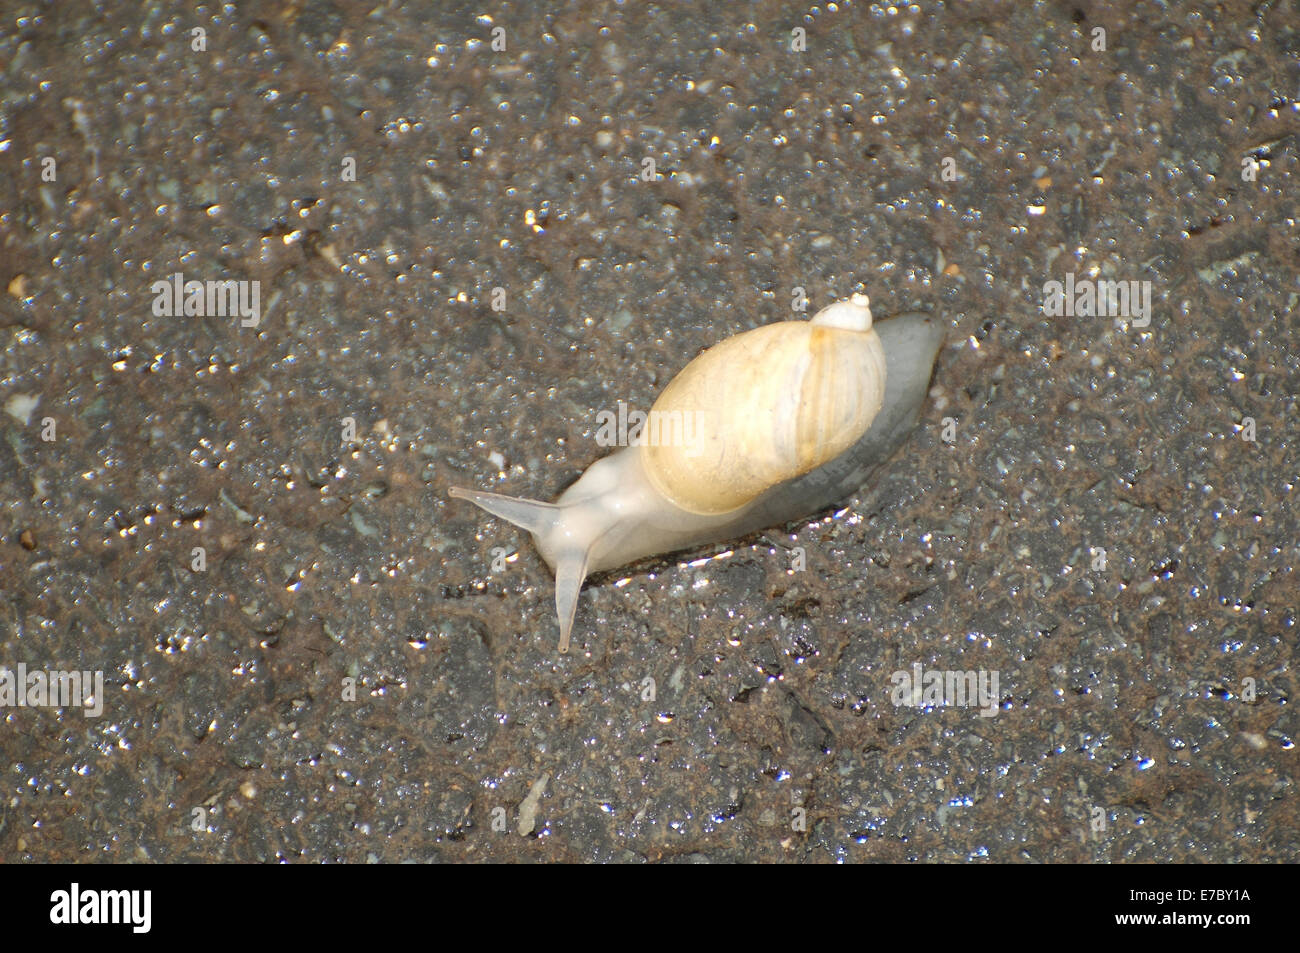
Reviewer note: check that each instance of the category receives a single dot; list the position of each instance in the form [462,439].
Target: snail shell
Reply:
[785,420]
[771,404]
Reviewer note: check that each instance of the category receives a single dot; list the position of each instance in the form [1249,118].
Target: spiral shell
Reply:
[765,406]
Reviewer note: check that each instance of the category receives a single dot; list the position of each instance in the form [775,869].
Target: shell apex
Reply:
[851,314]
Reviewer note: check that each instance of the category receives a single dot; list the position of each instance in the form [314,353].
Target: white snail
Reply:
[766,427]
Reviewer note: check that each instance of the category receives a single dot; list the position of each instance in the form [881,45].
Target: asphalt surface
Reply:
[306,653]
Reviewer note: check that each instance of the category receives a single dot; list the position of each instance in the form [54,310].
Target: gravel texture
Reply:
[345,678]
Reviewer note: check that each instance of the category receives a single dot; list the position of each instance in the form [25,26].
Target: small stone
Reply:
[529,805]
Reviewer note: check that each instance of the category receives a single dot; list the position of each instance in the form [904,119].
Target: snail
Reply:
[766,427]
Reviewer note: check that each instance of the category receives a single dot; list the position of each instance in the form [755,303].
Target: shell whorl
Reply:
[766,406]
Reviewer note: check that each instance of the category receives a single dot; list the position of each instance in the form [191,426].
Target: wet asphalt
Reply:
[462,256]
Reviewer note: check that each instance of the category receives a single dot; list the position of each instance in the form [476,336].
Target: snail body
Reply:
[776,424]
